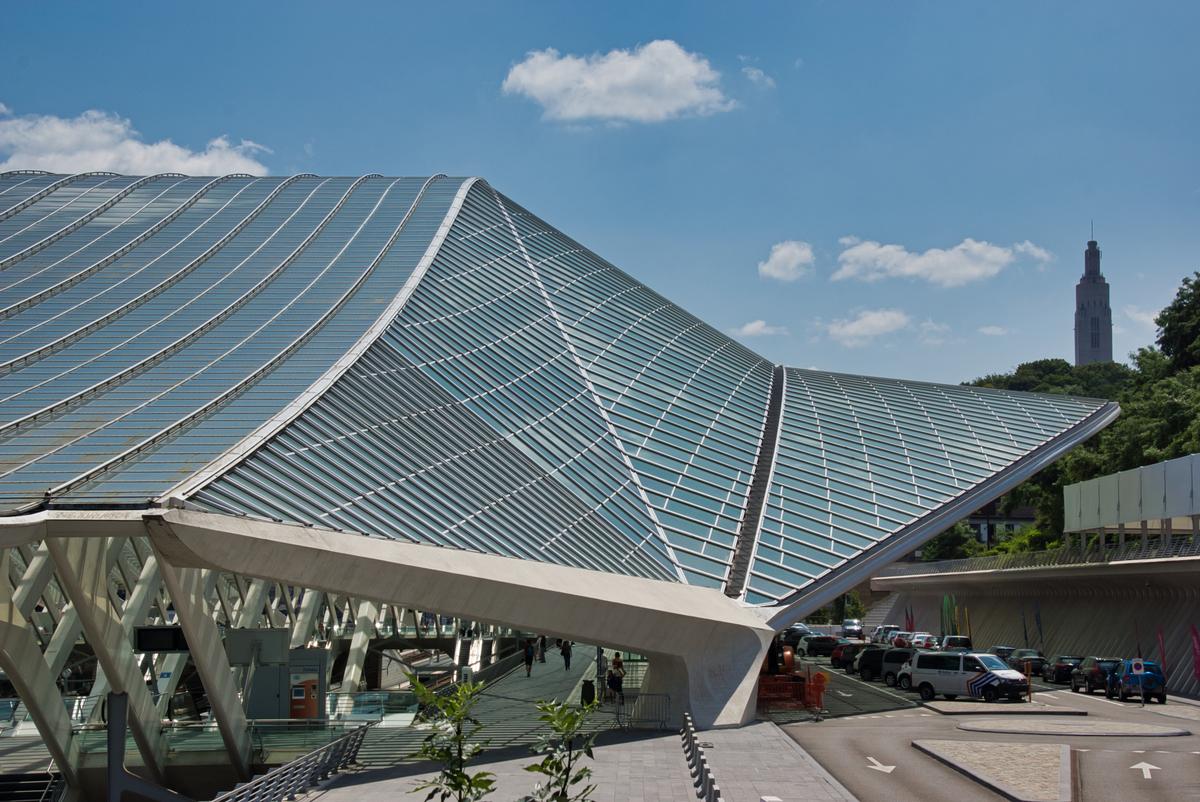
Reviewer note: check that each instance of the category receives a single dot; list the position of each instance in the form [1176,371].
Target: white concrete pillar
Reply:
[83,570]
[306,619]
[360,643]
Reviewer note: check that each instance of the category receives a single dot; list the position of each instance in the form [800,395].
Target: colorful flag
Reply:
[1162,653]
[1196,651]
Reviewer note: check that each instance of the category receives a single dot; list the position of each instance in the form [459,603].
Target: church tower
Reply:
[1093,315]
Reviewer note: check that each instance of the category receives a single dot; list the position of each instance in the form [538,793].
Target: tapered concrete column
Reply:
[306,619]
[137,607]
[360,642]
[187,589]
[38,572]
[83,568]
[22,661]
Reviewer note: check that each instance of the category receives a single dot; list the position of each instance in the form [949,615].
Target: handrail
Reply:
[258,372]
[1178,546]
[84,219]
[157,289]
[75,278]
[46,190]
[702,774]
[292,779]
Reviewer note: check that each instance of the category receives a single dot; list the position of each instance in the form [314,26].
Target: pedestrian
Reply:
[528,657]
[618,672]
[542,649]
[602,672]
[566,655]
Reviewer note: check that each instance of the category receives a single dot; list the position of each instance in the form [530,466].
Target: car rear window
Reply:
[1107,665]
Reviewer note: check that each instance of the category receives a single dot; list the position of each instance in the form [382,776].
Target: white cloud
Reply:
[758,328]
[930,332]
[4,110]
[993,331]
[757,76]
[1034,252]
[651,83]
[1143,317]
[864,327]
[968,261]
[99,140]
[788,260]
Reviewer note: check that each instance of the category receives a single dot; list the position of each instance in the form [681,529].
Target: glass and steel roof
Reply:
[425,360]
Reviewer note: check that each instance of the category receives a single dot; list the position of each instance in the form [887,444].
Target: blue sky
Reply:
[855,136]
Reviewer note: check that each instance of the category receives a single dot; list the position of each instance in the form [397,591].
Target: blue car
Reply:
[1150,684]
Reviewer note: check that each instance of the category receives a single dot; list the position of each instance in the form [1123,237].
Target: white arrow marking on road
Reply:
[875,764]
[1146,769]
[843,693]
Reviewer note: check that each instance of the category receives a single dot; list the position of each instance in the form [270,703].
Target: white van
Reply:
[954,674]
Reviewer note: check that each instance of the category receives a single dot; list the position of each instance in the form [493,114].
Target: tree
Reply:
[563,748]
[452,743]
[955,543]
[1179,326]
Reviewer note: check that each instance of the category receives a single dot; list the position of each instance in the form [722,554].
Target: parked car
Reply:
[954,674]
[1092,673]
[843,654]
[893,661]
[853,668]
[1002,651]
[820,645]
[792,635]
[852,628]
[1030,660]
[901,639]
[1150,684]
[883,633]
[870,663]
[1059,667]
[956,643]
[924,640]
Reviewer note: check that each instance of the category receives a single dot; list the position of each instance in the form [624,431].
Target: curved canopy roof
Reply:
[423,359]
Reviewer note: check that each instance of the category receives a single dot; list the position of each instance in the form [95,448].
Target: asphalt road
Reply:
[1103,766]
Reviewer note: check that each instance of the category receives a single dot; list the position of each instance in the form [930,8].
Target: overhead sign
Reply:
[159,639]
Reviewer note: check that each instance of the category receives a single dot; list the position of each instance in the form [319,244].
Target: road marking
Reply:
[1146,769]
[875,764]
[888,715]
[1083,750]
[843,693]
[1138,751]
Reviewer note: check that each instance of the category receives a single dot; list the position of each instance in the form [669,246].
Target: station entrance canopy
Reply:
[385,369]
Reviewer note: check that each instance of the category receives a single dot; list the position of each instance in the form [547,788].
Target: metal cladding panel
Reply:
[1178,500]
[861,459]
[1154,488]
[1071,508]
[687,402]
[1129,487]
[1109,490]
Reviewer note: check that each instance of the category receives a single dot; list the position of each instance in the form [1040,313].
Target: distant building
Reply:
[1093,315]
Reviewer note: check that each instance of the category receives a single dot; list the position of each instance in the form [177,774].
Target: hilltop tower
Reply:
[1093,315]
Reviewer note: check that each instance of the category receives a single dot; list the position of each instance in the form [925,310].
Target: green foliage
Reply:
[1160,414]
[452,742]
[1179,326]
[955,543]
[562,750]
[1027,538]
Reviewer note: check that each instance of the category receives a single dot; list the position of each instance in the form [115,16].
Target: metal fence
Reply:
[292,779]
[643,711]
[1154,549]
[702,775]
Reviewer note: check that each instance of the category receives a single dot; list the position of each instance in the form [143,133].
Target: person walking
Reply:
[566,655]
[542,649]
[528,657]
[618,677]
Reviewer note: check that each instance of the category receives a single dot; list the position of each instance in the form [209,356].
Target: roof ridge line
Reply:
[277,422]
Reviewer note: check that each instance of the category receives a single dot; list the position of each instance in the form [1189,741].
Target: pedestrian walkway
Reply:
[760,760]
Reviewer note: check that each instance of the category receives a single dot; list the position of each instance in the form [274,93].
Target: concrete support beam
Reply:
[141,597]
[83,569]
[187,589]
[705,648]
[252,607]
[38,573]
[306,619]
[22,661]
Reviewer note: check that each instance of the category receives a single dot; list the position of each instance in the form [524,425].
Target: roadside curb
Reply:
[995,711]
[1065,783]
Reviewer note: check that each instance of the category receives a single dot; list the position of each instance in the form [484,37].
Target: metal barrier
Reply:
[702,774]
[1155,549]
[292,779]
[643,711]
